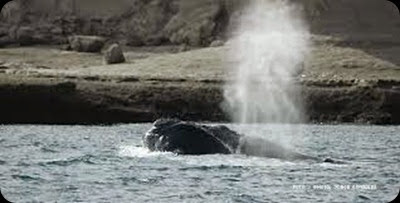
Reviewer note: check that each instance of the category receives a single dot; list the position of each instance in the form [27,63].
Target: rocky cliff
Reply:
[193,22]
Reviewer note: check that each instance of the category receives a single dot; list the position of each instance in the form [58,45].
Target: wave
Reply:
[86,159]
[140,152]
[202,162]
[26,178]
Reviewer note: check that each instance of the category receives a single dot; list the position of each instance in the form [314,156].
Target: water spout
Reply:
[270,44]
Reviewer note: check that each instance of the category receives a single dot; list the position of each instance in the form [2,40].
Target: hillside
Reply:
[193,22]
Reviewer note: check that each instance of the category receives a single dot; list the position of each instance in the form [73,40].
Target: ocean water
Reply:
[44,163]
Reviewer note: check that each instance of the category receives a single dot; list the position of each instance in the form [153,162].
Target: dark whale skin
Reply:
[180,137]
[189,138]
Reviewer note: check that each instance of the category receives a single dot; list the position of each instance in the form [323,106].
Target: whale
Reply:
[190,138]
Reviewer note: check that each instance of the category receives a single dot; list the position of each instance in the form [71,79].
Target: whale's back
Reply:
[189,138]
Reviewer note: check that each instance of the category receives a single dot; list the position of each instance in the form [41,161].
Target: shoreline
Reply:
[47,85]
[30,100]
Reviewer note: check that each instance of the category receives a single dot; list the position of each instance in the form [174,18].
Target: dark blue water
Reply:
[107,164]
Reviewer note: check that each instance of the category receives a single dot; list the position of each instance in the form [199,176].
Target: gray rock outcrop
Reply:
[192,22]
[114,54]
[82,43]
[217,43]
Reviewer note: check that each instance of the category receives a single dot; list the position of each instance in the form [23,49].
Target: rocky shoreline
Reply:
[76,101]
[47,85]
[31,100]
[175,64]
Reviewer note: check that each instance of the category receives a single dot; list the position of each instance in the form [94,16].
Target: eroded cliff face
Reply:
[192,22]
[134,22]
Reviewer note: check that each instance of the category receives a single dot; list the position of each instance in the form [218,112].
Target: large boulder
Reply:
[83,43]
[114,55]
[217,43]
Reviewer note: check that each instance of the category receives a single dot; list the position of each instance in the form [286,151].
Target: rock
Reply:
[4,41]
[66,47]
[195,22]
[82,43]
[217,43]
[27,35]
[24,35]
[3,32]
[134,41]
[56,31]
[114,54]
[12,32]
[183,48]
[154,40]
[65,87]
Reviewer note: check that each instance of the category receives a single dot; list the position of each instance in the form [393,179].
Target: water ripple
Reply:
[26,178]
[86,159]
[88,163]
[206,168]
[127,180]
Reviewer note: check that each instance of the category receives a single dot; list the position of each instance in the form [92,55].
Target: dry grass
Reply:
[327,61]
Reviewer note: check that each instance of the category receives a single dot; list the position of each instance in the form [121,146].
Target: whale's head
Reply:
[189,138]
[155,134]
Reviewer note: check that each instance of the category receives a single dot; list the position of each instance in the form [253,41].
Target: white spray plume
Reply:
[269,45]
